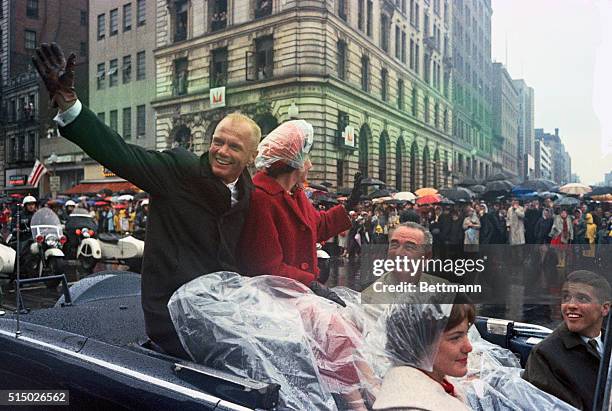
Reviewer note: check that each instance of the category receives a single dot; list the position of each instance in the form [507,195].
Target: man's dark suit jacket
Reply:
[564,366]
[192,229]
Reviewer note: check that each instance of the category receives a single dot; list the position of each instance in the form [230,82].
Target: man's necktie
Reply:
[593,343]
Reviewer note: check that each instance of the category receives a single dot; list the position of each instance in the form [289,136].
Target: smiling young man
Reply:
[566,363]
[198,204]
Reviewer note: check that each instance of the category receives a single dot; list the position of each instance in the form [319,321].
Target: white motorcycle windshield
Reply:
[45,222]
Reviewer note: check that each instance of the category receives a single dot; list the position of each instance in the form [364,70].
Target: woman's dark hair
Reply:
[413,330]
[279,168]
[459,313]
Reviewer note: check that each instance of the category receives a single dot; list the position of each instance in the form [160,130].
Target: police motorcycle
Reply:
[46,249]
[83,245]
[126,249]
[7,260]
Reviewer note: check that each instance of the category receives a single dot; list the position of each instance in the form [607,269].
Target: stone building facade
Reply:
[561,162]
[505,122]
[526,134]
[376,66]
[472,97]
[25,113]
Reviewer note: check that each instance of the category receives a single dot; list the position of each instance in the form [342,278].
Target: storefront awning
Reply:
[115,187]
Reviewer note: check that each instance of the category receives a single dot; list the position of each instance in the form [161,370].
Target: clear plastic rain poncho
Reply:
[494,381]
[274,329]
[289,143]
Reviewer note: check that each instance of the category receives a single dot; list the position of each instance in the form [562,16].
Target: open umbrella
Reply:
[575,189]
[327,184]
[478,188]
[457,194]
[598,191]
[393,201]
[521,191]
[468,181]
[538,184]
[603,197]
[499,185]
[404,196]
[446,202]
[548,194]
[327,200]
[429,199]
[379,193]
[369,181]
[344,191]
[125,197]
[498,177]
[567,202]
[425,191]
[319,187]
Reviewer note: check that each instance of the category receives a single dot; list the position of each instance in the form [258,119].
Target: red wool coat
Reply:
[281,230]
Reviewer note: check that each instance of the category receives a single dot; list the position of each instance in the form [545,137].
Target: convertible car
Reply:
[92,342]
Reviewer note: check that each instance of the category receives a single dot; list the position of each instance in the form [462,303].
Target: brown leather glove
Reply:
[57,73]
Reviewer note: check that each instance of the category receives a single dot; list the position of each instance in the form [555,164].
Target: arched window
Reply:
[436,170]
[426,166]
[413,166]
[266,122]
[364,141]
[382,156]
[399,164]
[182,137]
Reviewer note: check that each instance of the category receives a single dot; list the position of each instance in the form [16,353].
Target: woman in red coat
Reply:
[282,227]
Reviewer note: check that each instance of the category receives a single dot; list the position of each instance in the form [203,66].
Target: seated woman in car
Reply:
[426,347]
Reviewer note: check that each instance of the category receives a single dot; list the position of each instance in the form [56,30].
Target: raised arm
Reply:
[150,170]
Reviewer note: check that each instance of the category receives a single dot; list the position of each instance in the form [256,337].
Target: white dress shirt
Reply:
[597,340]
[66,117]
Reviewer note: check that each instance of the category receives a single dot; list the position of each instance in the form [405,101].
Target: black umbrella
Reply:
[478,189]
[548,194]
[498,177]
[327,200]
[344,191]
[468,181]
[446,202]
[393,201]
[600,191]
[539,184]
[319,187]
[494,195]
[457,194]
[567,202]
[499,185]
[379,193]
[106,192]
[369,181]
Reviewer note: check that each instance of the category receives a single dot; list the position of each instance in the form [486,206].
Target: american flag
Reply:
[37,172]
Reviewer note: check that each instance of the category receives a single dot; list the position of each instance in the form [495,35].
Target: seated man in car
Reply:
[410,240]
[566,363]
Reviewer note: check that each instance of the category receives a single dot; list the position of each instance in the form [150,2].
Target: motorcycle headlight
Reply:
[51,240]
